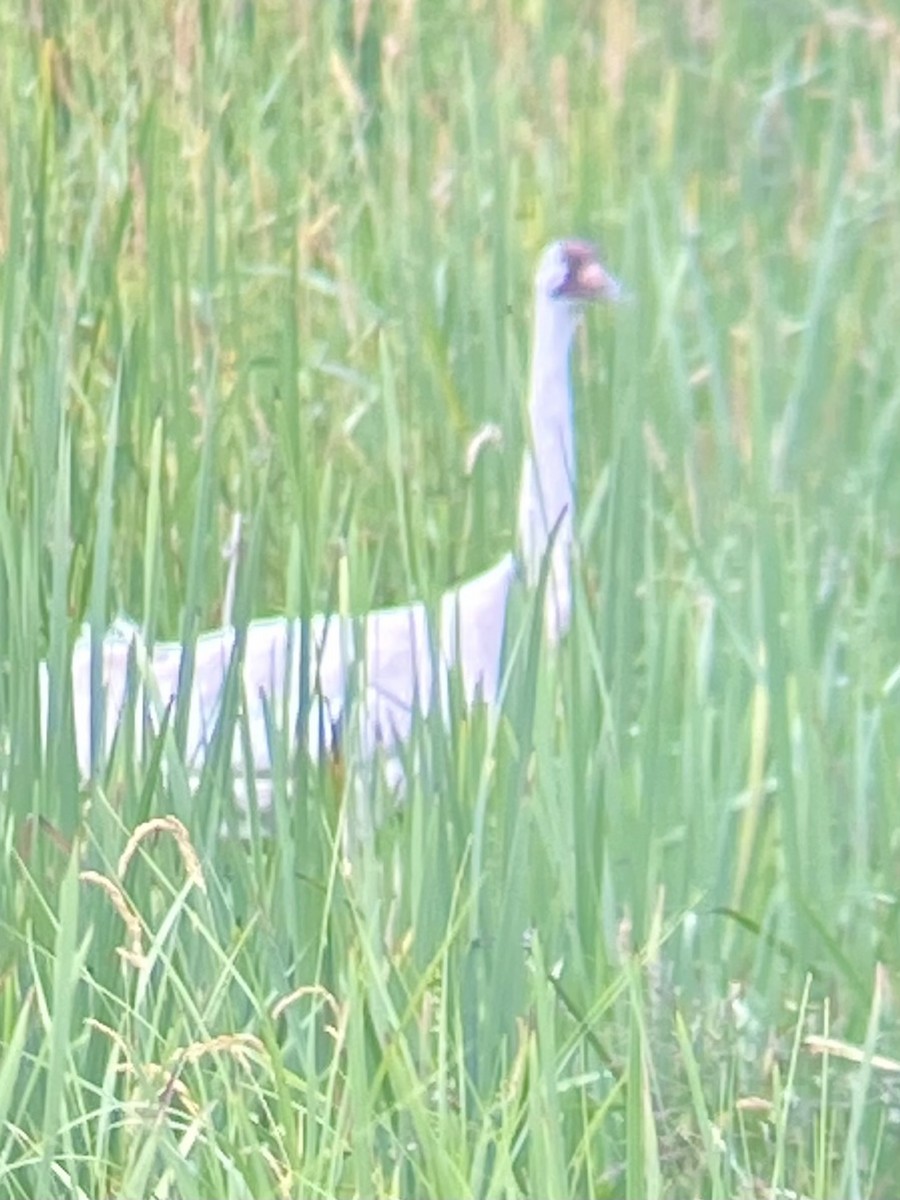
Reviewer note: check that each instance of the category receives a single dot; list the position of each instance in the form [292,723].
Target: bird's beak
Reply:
[593,282]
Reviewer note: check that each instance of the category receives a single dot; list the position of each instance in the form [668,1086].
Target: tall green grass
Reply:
[637,933]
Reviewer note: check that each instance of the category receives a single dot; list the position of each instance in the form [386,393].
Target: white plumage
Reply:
[386,659]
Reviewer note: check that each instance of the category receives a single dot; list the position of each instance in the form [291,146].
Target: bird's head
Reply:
[570,270]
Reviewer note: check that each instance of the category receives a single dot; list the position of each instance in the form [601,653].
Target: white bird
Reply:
[386,658]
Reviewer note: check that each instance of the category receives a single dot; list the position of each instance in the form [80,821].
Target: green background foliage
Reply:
[635,935]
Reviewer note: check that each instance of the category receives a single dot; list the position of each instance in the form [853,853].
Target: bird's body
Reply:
[382,665]
[392,681]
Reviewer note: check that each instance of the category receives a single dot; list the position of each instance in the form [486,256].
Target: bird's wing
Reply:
[473,618]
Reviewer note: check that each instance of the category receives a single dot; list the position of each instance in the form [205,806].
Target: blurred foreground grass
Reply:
[641,936]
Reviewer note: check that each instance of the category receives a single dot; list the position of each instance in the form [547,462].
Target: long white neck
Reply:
[546,495]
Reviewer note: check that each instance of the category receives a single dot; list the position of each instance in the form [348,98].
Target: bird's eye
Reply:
[560,278]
